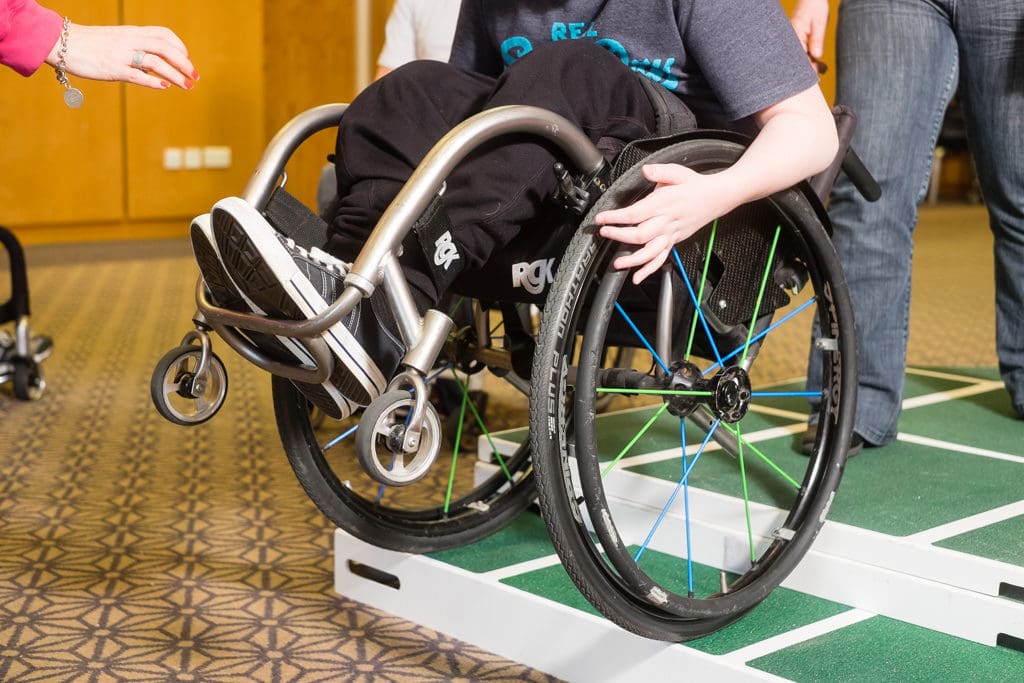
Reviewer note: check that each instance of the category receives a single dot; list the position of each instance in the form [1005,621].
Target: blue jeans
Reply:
[898,64]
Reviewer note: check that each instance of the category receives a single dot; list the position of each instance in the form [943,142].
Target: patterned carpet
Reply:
[133,549]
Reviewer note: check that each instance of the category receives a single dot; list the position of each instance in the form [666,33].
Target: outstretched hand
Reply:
[809,20]
[682,202]
[107,53]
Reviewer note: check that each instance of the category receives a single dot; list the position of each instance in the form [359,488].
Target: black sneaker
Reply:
[285,280]
[223,293]
[810,435]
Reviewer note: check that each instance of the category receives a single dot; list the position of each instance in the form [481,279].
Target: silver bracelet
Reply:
[73,97]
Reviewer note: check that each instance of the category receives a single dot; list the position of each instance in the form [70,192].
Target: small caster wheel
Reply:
[182,395]
[29,384]
[42,347]
[380,435]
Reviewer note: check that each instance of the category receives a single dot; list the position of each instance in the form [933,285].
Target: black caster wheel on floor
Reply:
[29,384]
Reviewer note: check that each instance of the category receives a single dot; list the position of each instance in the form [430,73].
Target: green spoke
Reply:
[700,292]
[632,442]
[760,292]
[653,392]
[746,497]
[765,458]
[455,453]
[455,306]
[480,423]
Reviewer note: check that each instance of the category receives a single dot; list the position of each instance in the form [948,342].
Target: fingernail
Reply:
[165,84]
[189,85]
[195,75]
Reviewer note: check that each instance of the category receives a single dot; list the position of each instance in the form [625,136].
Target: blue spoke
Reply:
[437,374]
[696,305]
[338,439]
[641,336]
[383,487]
[682,482]
[686,513]
[779,394]
[761,335]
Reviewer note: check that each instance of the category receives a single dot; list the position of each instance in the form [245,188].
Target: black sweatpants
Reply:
[389,128]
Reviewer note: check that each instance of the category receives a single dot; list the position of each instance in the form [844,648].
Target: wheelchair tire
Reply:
[29,384]
[641,536]
[459,501]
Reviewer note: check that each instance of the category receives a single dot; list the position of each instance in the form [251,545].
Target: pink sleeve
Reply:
[27,34]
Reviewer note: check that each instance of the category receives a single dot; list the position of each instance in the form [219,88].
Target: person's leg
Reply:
[991,38]
[384,134]
[280,278]
[503,187]
[896,66]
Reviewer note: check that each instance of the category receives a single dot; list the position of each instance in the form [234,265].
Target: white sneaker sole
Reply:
[273,264]
[203,225]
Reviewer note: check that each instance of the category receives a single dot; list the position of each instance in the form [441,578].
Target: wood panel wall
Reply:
[309,63]
[56,164]
[97,172]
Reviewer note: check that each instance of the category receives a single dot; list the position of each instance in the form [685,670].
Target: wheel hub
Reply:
[730,394]
[727,394]
[685,376]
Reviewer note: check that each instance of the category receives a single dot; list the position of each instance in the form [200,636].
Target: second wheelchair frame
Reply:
[672,540]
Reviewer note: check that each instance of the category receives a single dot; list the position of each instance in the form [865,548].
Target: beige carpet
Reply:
[133,549]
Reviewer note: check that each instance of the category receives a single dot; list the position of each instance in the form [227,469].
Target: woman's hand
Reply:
[809,20]
[151,56]
[682,202]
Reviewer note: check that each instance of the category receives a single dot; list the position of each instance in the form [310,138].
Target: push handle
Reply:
[860,176]
[846,161]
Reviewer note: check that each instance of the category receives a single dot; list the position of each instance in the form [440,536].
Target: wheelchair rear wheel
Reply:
[685,504]
[461,498]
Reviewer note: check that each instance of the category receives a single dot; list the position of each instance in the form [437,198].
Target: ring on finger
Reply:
[137,58]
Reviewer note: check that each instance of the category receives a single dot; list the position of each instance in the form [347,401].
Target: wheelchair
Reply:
[21,353]
[608,365]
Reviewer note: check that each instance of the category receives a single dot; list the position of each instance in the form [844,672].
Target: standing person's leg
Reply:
[991,37]
[896,66]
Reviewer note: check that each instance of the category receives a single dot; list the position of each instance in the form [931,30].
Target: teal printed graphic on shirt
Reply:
[658,70]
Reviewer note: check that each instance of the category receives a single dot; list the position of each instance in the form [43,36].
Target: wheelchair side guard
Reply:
[727,303]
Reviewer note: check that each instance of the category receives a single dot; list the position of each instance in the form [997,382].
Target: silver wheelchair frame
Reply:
[377,263]
[572,494]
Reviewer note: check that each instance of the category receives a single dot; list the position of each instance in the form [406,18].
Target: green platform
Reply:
[918,575]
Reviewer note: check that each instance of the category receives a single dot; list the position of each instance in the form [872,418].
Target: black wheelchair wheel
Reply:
[687,504]
[462,498]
